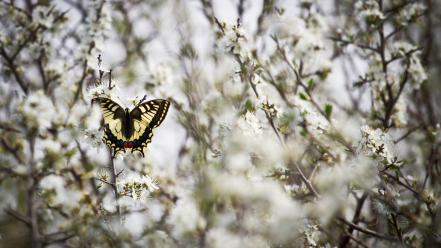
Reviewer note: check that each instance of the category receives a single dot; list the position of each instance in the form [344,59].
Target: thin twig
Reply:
[18,216]
[13,68]
[409,132]
[113,177]
[360,202]
[368,231]
[307,181]
[32,211]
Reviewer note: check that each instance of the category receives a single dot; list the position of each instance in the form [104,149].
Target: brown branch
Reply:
[306,181]
[112,183]
[11,65]
[299,78]
[367,231]
[32,210]
[104,181]
[347,42]
[392,101]
[12,150]
[345,239]
[18,216]
[357,240]
[409,132]
[240,9]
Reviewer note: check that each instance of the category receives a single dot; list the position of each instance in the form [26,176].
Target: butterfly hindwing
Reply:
[113,142]
[146,116]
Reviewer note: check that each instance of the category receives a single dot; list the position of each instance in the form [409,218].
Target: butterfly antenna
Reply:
[110,79]
[99,67]
[143,99]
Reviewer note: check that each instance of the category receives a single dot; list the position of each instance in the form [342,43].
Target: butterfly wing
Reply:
[113,115]
[145,117]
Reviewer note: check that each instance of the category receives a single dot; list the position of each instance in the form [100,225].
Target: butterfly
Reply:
[132,130]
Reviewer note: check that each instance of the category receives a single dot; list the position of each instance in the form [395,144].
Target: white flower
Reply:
[334,182]
[270,210]
[219,237]
[400,116]
[287,26]
[94,136]
[235,40]
[161,73]
[93,119]
[185,217]
[102,90]
[417,72]
[370,10]
[38,110]
[377,142]
[410,12]
[63,196]
[137,186]
[250,124]
[40,15]
[311,235]
[401,48]
[50,150]
[315,120]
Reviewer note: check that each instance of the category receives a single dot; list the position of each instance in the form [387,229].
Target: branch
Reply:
[367,231]
[18,216]
[306,181]
[13,68]
[299,78]
[113,177]
[32,211]
[344,241]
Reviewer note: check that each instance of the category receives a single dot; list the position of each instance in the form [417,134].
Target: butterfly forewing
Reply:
[113,115]
[147,116]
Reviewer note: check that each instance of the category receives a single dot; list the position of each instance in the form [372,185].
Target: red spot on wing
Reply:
[128,144]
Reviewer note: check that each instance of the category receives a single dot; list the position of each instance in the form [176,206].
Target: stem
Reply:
[32,211]
[367,231]
[344,241]
[113,177]
[10,63]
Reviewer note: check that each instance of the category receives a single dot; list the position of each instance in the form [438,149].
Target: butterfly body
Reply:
[127,125]
[131,130]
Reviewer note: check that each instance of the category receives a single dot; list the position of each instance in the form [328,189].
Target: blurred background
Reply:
[292,123]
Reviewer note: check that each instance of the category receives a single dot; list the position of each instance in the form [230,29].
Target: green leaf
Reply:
[303,96]
[328,110]
[284,123]
[247,107]
[311,84]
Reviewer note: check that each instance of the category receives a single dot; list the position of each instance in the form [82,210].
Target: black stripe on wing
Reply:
[110,109]
[151,113]
[117,145]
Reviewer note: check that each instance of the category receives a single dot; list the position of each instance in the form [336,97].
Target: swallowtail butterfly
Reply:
[132,130]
